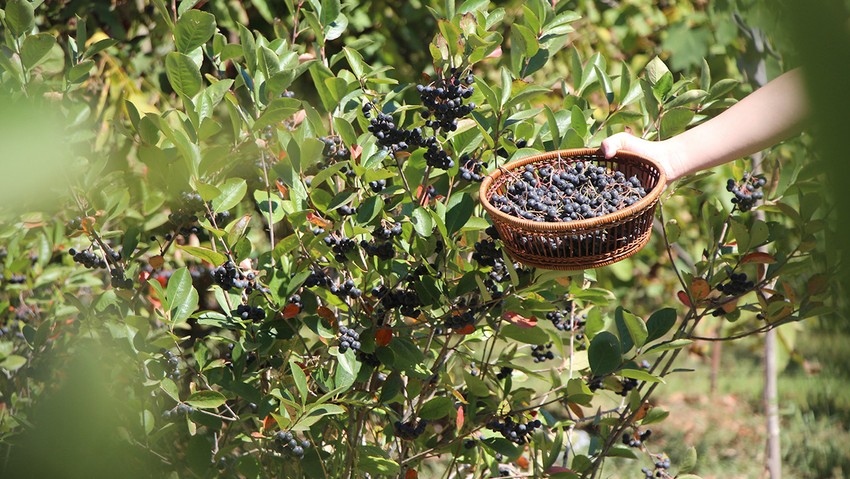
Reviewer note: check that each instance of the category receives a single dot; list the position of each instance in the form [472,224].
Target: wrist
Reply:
[675,161]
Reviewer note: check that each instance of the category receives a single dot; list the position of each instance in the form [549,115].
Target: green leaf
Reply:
[277,111]
[436,408]
[232,192]
[35,47]
[675,121]
[183,74]
[181,296]
[19,16]
[506,87]
[169,387]
[373,460]
[636,327]
[213,257]
[640,375]
[99,47]
[422,222]
[604,354]
[193,29]
[346,371]
[13,362]
[535,335]
[369,209]
[206,399]
[330,11]
[80,71]
[687,463]
[300,380]
[473,6]
[336,28]
[659,323]
[459,213]
[607,86]
[525,40]
[355,61]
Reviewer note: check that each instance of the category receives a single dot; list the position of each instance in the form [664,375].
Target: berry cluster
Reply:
[172,363]
[247,312]
[378,186]
[580,191]
[471,169]
[389,135]
[661,467]
[514,431]
[628,384]
[286,439]
[737,285]
[636,439]
[190,203]
[340,246]
[563,320]
[229,276]
[180,410]
[410,430]
[387,232]
[75,224]
[542,352]
[504,373]
[346,210]
[318,277]
[346,290]
[369,359]
[444,100]
[118,280]
[334,150]
[457,321]
[348,339]
[383,250]
[406,300]
[746,191]
[436,156]
[87,258]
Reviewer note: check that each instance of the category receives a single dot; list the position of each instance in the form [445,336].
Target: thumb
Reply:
[611,145]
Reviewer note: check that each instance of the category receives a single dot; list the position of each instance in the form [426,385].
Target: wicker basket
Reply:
[580,244]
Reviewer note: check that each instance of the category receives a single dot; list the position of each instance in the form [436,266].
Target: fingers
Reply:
[614,143]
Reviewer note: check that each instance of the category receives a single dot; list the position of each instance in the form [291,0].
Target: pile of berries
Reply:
[247,312]
[286,439]
[340,246]
[471,169]
[504,373]
[542,352]
[87,258]
[514,431]
[746,191]
[334,150]
[348,339]
[737,285]
[410,430]
[636,439]
[347,289]
[580,191]
[229,276]
[444,100]
[190,203]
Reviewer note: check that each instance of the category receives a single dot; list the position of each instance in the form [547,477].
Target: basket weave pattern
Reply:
[581,244]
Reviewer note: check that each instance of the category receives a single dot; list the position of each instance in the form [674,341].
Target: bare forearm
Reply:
[765,117]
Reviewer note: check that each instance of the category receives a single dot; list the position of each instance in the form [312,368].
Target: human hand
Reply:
[660,151]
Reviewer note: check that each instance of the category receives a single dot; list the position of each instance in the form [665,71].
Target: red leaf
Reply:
[318,220]
[325,313]
[468,329]
[280,186]
[683,297]
[758,257]
[383,336]
[269,423]
[520,320]
[522,462]
[156,262]
[557,470]
[459,419]
[411,474]
[291,310]
[356,150]
[700,288]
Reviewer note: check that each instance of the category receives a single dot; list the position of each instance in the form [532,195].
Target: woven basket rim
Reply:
[585,224]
